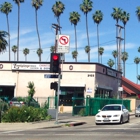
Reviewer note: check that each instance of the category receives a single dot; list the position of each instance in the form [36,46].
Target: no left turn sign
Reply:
[63,40]
[63,44]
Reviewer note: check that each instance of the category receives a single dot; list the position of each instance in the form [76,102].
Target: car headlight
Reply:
[137,111]
[117,115]
[98,116]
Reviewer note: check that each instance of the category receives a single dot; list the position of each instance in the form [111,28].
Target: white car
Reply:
[137,112]
[112,113]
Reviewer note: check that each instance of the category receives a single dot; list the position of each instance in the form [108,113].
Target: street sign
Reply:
[120,88]
[51,76]
[63,44]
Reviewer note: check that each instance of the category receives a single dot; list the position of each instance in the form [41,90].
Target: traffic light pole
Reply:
[58,91]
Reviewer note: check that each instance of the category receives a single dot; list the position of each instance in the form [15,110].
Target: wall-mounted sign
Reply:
[120,88]
[23,66]
[1,66]
[111,73]
[89,90]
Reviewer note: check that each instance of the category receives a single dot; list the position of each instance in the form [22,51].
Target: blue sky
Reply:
[107,31]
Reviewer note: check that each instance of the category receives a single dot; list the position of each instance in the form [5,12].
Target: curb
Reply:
[77,123]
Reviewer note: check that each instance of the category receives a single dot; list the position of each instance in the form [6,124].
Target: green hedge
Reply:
[25,114]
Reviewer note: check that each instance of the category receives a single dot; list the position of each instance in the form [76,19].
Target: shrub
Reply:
[24,114]
[82,112]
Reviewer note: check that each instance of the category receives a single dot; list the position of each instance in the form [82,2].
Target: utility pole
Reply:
[119,51]
[119,48]
[57,28]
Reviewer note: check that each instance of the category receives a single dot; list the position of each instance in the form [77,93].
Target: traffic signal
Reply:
[54,63]
[54,86]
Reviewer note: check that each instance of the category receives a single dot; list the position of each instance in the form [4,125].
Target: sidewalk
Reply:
[63,121]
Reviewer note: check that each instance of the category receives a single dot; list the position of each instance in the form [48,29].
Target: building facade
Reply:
[77,80]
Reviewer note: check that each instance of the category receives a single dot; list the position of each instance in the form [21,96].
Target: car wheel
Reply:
[128,120]
[121,120]
[136,116]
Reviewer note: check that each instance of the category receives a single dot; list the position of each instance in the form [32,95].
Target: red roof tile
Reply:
[128,90]
[131,83]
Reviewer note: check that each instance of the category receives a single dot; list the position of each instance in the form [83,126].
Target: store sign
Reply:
[23,66]
[111,73]
[89,90]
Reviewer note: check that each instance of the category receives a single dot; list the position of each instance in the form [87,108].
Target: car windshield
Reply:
[139,106]
[111,108]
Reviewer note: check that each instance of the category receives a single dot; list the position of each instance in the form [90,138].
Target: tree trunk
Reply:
[87,38]
[38,34]
[18,32]
[124,51]
[98,41]
[8,36]
[75,42]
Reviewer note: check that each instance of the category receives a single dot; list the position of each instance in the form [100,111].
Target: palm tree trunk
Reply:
[115,63]
[137,72]
[18,31]
[98,41]
[87,38]
[8,35]
[38,33]
[75,41]
[14,56]
[117,45]
[58,21]
[124,50]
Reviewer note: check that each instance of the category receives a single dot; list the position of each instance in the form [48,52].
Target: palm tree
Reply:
[18,4]
[86,7]
[125,18]
[58,8]
[115,55]
[98,17]
[25,52]
[3,41]
[39,52]
[14,49]
[136,61]
[138,13]
[101,51]
[110,63]
[124,57]
[138,77]
[117,12]
[6,8]
[52,49]
[74,19]
[139,49]
[87,50]
[74,55]
[36,4]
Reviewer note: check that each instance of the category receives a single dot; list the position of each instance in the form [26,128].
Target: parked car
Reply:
[137,111]
[15,102]
[20,101]
[112,113]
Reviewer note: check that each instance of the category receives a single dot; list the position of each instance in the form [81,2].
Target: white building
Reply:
[78,80]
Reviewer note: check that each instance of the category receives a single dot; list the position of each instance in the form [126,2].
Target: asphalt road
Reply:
[126,131]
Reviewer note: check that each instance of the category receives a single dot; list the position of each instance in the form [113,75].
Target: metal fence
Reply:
[90,106]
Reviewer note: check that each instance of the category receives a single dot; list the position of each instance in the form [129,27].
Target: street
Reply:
[87,131]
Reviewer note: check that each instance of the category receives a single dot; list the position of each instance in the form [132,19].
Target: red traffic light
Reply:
[55,57]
